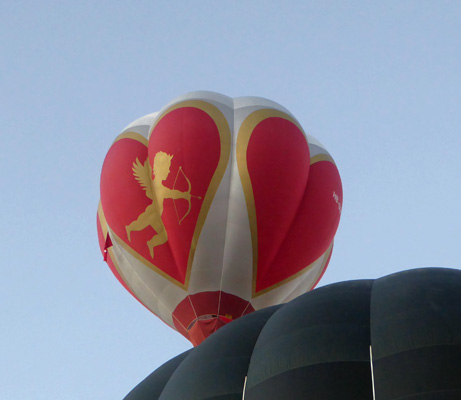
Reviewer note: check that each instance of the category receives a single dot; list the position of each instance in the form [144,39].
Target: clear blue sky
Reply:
[378,83]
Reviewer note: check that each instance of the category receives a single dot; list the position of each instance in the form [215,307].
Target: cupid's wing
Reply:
[143,174]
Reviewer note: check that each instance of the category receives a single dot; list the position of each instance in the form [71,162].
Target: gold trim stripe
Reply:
[132,135]
[322,157]
[299,273]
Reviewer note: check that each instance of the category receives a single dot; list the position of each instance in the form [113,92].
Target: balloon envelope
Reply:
[215,207]
[397,337]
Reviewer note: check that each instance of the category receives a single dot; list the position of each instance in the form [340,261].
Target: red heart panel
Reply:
[191,139]
[292,209]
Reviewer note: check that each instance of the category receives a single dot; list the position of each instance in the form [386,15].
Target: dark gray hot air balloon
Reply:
[397,337]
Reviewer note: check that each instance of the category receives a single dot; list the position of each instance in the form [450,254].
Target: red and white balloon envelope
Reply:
[215,207]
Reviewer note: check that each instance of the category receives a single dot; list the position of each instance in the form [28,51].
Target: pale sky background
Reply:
[378,83]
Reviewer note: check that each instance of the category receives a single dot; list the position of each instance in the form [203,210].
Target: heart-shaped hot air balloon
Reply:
[215,207]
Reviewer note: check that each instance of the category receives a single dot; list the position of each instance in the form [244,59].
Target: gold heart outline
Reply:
[225,140]
[243,138]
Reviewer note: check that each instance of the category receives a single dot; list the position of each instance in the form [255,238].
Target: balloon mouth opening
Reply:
[205,325]
[199,315]
[208,318]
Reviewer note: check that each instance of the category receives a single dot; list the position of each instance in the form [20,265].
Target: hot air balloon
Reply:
[397,337]
[214,207]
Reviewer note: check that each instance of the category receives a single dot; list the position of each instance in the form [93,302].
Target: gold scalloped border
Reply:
[243,138]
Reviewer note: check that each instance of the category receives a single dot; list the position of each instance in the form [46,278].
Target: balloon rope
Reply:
[243,312]
[244,387]
[372,376]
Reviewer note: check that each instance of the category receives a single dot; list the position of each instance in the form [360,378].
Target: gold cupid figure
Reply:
[157,192]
